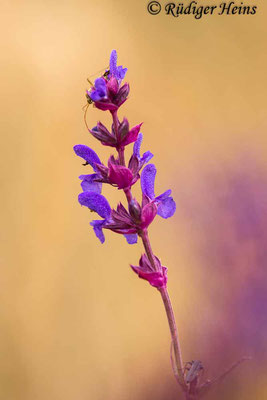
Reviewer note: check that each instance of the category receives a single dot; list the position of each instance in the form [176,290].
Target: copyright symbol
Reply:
[154,7]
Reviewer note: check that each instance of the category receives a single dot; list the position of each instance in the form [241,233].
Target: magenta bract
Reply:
[146,271]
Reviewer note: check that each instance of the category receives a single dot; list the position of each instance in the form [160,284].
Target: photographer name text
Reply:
[198,11]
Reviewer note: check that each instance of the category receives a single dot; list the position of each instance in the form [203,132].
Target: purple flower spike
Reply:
[113,62]
[95,202]
[107,93]
[117,72]
[87,154]
[145,271]
[166,205]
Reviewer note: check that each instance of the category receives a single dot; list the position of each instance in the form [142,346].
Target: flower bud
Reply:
[135,210]
[123,129]
[122,95]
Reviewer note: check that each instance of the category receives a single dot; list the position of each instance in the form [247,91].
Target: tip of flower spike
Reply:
[117,71]
[113,62]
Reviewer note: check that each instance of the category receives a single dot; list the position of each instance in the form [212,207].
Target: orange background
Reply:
[76,323]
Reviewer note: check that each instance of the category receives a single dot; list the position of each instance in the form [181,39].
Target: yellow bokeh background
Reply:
[76,323]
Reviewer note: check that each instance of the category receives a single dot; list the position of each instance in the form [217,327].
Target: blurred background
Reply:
[75,322]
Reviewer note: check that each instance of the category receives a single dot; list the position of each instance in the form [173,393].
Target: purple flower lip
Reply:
[99,204]
[146,157]
[99,91]
[87,154]
[145,271]
[165,204]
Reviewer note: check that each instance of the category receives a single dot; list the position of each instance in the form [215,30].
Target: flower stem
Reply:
[169,311]
[121,156]
[116,130]
[163,291]
[148,249]
[174,335]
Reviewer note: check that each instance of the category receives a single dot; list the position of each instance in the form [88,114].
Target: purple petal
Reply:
[164,195]
[146,157]
[148,180]
[89,185]
[87,154]
[94,95]
[131,238]
[121,72]
[137,145]
[96,202]
[136,151]
[167,208]
[97,226]
[99,91]
[100,84]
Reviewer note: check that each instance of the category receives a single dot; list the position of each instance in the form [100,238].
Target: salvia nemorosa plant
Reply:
[108,93]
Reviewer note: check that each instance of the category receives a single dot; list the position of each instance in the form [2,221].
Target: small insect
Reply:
[192,370]
[106,73]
